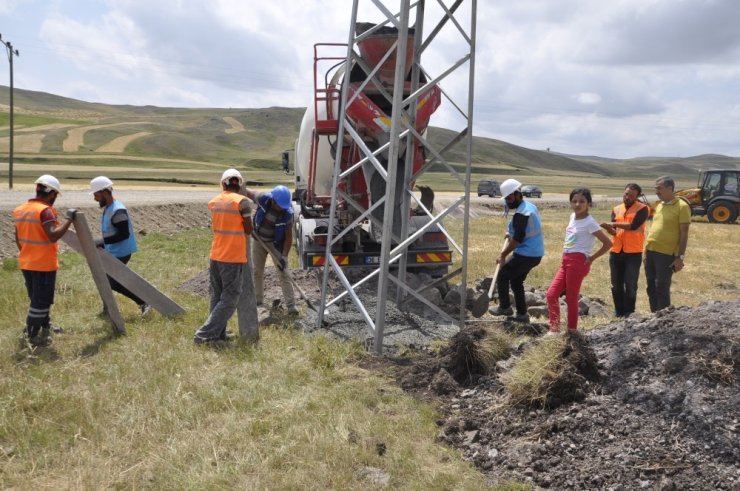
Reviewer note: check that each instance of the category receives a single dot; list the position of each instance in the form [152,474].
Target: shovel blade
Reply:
[480,306]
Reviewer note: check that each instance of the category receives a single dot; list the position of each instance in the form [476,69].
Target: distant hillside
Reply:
[51,128]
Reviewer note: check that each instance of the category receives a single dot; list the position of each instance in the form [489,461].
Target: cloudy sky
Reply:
[623,78]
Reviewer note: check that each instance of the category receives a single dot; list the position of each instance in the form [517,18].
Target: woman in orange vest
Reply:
[232,224]
[37,230]
[628,228]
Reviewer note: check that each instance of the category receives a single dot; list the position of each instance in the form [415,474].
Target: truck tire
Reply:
[722,212]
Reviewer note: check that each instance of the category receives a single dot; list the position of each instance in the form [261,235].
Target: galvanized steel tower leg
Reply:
[390,187]
[394,248]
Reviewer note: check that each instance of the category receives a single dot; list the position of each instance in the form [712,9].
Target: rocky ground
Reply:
[660,410]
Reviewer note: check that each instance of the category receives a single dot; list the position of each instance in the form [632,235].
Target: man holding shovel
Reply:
[231,222]
[273,224]
[525,243]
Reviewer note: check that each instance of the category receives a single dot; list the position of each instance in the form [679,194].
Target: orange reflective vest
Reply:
[229,239]
[37,253]
[629,241]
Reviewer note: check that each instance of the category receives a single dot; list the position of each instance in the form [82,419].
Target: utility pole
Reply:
[11,52]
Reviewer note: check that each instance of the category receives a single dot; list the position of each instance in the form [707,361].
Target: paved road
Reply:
[78,198]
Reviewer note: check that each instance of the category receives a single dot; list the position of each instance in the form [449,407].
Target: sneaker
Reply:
[553,333]
[523,318]
[145,308]
[499,311]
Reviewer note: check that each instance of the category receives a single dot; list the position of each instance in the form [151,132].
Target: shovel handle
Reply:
[273,253]
[495,272]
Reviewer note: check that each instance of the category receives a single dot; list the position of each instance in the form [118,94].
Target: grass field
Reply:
[150,410]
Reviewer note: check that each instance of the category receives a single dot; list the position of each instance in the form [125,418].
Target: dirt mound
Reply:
[660,412]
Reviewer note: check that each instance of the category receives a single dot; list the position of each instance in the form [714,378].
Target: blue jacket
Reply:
[533,244]
[125,247]
[264,202]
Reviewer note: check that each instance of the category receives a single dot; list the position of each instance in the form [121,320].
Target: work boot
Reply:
[213,343]
[37,336]
[499,311]
[145,308]
[523,318]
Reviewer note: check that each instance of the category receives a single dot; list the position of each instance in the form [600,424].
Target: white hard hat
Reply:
[509,186]
[51,183]
[99,183]
[229,173]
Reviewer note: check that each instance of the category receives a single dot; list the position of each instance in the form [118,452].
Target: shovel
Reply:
[276,260]
[481,303]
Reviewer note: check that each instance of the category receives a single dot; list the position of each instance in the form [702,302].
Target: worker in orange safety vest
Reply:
[232,223]
[627,225]
[37,230]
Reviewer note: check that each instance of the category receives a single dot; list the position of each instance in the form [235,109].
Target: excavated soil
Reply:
[646,403]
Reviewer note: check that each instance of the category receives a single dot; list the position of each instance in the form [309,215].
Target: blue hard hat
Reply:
[281,195]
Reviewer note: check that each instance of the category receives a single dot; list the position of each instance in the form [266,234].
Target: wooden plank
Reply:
[128,278]
[87,247]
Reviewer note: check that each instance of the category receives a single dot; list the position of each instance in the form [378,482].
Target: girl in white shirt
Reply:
[580,236]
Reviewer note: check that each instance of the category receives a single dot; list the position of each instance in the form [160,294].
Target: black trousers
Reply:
[625,272]
[40,288]
[658,273]
[117,287]
[513,272]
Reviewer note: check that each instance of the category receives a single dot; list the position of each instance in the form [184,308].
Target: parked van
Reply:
[489,187]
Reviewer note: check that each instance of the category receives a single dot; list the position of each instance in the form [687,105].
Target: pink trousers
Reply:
[568,279]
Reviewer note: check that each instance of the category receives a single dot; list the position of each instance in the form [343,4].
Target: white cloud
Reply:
[620,78]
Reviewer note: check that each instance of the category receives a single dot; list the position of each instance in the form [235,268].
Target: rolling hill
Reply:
[54,130]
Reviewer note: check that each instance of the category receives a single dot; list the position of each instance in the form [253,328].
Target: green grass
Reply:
[151,410]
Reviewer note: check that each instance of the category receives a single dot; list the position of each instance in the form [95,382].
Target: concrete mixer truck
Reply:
[368,114]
